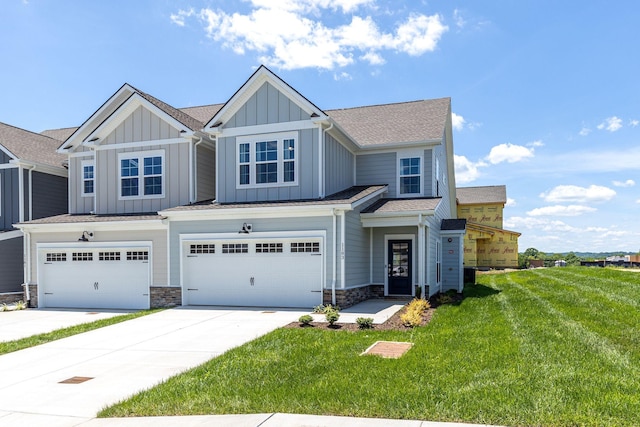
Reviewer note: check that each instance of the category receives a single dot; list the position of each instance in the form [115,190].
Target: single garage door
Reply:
[256,272]
[93,277]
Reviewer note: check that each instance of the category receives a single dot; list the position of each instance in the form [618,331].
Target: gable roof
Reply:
[59,134]
[202,113]
[404,122]
[479,195]
[385,206]
[184,118]
[30,146]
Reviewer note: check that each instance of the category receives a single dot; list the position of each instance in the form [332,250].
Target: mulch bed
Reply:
[392,324]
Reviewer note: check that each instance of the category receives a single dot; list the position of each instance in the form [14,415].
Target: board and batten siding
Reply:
[158,239]
[357,263]
[9,198]
[11,265]
[206,173]
[376,169]
[176,180]
[306,188]
[79,204]
[267,105]
[141,125]
[428,171]
[339,166]
[323,223]
[451,263]
[50,195]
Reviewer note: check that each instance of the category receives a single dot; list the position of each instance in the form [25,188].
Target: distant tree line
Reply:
[549,260]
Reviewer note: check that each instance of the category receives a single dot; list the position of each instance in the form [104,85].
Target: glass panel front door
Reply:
[399,267]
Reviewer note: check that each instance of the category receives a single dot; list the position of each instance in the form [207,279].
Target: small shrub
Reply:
[305,319]
[364,322]
[21,305]
[322,309]
[318,309]
[444,299]
[4,307]
[412,316]
[332,315]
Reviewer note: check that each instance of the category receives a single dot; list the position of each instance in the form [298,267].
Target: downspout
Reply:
[195,169]
[335,261]
[26,243]
[342,249]
[191,195]
[421,259]
[321,146]
[20,194]
[31,168]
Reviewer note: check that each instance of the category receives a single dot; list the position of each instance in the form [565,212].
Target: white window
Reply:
[267,160]
[88,178]
[141,175]
[410,176]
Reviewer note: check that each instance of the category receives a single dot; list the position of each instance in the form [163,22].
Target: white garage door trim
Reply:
[252,238]
[141,301]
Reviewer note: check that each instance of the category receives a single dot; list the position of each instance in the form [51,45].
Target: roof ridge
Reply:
[387,104]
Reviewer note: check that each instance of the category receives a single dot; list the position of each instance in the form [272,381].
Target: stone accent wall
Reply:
[11,297]
[33,294]
[166,296]
[348,297]
[377,291]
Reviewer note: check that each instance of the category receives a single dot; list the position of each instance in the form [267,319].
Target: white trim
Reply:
[393,147]
[141,144]
[388,237]
[252,140]
[145,225]
[409,154]
[42,168]
[343,243]
[20,193]
[6,151]
[90,153]
[141,155]
[83,164]
[266,128]
[96,245]
[8,166]
[0,196]
[7,235]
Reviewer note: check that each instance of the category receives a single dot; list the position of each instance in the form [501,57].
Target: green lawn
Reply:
[547,347]
[21,344]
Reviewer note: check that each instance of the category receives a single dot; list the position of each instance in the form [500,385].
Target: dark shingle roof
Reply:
[87,218]
[350,195]
[30,146]
[403,205]
[453,224]
[415,121]
[184,118]
[479,195]
[203,113]
[59,134]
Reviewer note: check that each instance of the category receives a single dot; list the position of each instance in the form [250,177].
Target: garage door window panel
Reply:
[235,248]
[56,257]
[109,256]
[305,247]
[82,256]
[205,248]
[265,248]
[137,255]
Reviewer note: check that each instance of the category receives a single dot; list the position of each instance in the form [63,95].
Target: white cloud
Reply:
[575,194]
[634,123]
[459,20]
[457,121]
[342,76]
[627,183]
[509,153]
[466,170]
[291,34]
[560,210]
[584,131]
[537,143]
[611,124]
[510,202]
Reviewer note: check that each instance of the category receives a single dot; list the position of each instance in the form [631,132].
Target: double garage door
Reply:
[94,277]
[253,272]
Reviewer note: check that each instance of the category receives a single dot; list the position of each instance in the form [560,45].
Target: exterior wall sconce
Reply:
[246,229]
[85,236]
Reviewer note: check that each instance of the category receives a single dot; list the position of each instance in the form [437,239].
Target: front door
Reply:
[399,267]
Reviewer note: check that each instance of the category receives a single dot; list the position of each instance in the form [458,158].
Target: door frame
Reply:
[412,238]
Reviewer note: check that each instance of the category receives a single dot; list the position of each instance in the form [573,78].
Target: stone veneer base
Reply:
[348,297]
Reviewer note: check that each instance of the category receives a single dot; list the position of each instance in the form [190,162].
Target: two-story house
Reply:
[265,200]
[33,184]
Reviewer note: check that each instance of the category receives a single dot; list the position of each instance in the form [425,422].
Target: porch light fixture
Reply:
[85,236]
[246,229]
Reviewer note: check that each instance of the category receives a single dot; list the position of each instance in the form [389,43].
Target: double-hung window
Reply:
[88,178]
[141,175]
[410,176]
[267,160]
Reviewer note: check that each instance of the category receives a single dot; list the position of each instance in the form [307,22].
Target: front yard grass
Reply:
[548,347]
[22,343]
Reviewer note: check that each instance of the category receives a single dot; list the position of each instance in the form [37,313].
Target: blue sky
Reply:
[545,94]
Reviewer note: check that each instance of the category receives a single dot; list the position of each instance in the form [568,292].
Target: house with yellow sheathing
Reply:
[486,244]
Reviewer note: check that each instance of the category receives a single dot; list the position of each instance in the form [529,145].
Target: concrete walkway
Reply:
[66,382]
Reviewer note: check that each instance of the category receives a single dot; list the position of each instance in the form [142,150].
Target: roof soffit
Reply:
[251,86]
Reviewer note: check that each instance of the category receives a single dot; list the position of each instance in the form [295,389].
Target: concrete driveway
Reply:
[66,382]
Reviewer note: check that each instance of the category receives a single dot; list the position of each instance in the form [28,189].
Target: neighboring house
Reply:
[266,200]
[486,244]
[33,184]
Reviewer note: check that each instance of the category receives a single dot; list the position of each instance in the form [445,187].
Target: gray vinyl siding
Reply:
[49,195]
[206,179]
[379,249]
[11,265]
[77,203]
[266,105]
[428,171]
[9,197]
[307,187]
[433,233]
[338,166]
[378,168]
[4,158]
[176,180]
[356,250]
[451,263]
[141,125]
[259,225]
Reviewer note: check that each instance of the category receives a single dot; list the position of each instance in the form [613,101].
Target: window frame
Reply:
[252,141]
[140,156]
[410,155]
[83,179]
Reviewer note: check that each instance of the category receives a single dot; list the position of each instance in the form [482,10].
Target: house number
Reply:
[95,285]
[252,281]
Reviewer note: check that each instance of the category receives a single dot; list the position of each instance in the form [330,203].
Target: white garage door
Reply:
[256,272]
[92,277]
